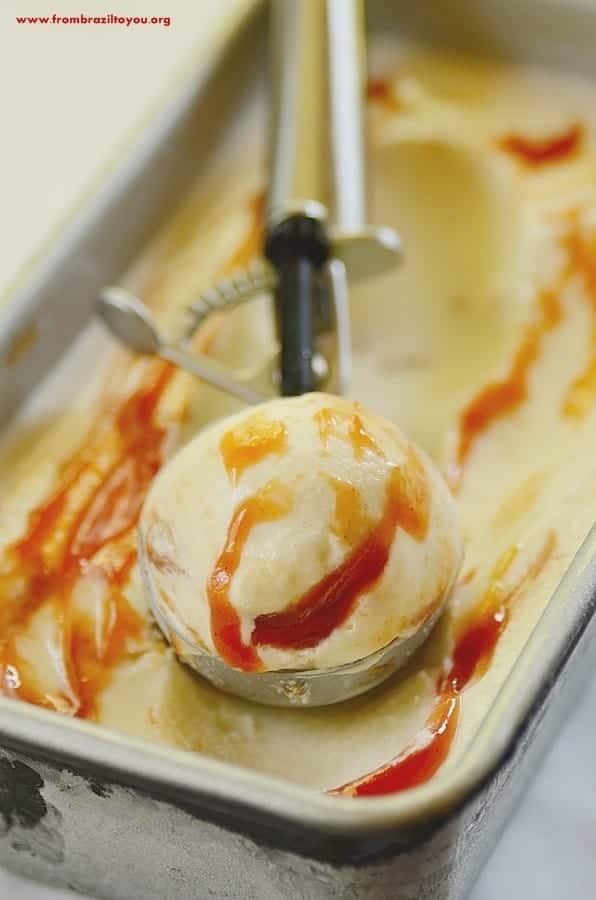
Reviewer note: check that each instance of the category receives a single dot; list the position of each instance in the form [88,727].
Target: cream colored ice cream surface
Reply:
[480,348]
[311,478]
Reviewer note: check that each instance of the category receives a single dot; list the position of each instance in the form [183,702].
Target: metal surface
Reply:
[310,296]
[132,323]
[336,343]
[317,118]
[311,354]
[347,81]
[122,819]
[318,70]
[298,102]
[258,278]
[365,249]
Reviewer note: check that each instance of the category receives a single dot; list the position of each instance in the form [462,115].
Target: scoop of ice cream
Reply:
[305,533]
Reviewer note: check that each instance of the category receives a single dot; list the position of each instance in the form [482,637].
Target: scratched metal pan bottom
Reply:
[151,784]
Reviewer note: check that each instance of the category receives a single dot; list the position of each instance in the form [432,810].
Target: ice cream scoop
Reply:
[299,551]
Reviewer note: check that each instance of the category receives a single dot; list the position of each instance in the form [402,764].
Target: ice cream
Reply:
[307,533]
[480,346]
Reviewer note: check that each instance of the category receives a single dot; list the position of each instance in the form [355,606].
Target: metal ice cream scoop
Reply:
[286,687]
[317,236]
[317,103]
[131,321]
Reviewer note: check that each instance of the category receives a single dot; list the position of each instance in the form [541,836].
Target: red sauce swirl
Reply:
[314,616]
[79,547]
[84,533]
[475,641]
[536,152]
[326,605]
[502,397]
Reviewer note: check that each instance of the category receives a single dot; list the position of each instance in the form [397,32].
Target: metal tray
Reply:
[119,818]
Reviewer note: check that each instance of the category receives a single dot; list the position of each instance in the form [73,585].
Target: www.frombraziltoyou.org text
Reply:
[84,19]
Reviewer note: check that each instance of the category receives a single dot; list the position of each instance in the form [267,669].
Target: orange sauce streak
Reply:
[251,245]
[476,637]
[379,90]
[498,399]
[272,502]
[83,536]
[502,397]
[581,251]
[581,395]
[328,603]
[350,520]
[91,647]
[95,508]
[250,443]
[415,765]
[477,633]
[340,424]
[543,151]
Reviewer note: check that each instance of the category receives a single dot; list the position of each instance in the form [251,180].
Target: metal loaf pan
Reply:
[118,818]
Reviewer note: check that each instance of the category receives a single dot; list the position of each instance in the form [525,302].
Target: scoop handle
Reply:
[299,82]
[346,35]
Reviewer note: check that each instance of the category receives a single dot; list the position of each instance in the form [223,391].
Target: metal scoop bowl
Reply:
[286,687]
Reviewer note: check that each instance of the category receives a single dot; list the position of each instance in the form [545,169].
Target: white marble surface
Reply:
[68,95]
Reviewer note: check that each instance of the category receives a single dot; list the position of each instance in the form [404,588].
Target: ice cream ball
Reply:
[305,533]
